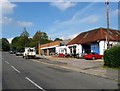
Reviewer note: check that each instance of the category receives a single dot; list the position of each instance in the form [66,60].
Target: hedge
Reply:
[112,57]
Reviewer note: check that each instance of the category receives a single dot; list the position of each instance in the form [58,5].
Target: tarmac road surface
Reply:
[19,73]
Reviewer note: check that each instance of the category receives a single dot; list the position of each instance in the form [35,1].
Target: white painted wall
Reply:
[113,43]
[103,46]
[68,50]
[78,48]
[60,49]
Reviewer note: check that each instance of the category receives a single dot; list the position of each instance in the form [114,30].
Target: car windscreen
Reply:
[31,50]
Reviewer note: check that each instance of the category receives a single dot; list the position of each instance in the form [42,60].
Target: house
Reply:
[53,47]
[93,41]
[63,48]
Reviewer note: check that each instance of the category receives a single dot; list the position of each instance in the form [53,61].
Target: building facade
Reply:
[86,42]
[53,48]
[93,41]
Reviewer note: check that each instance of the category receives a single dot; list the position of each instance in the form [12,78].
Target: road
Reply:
[18,73]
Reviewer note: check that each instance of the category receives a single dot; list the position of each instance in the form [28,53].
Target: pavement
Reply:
[93,67]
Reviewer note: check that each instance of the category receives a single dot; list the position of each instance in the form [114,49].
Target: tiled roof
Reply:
[65,41]
[96,35]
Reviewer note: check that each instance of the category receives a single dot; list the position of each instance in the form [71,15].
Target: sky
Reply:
[58,19]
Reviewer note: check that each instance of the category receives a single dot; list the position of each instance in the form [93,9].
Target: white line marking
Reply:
[34,83]
[15,69]
[7,62]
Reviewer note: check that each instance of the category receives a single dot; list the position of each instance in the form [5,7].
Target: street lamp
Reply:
[107,15]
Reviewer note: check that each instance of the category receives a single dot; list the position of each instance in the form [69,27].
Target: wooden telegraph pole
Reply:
[107,15]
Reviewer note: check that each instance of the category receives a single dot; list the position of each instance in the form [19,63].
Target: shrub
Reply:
[112,57]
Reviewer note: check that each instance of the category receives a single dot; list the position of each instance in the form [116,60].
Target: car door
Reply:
[97,56]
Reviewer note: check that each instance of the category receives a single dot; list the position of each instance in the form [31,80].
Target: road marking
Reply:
[7,62]
[34,83]
[15,69]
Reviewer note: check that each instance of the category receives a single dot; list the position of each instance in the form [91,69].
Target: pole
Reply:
[107,15]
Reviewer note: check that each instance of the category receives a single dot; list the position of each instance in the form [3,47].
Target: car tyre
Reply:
[93,58]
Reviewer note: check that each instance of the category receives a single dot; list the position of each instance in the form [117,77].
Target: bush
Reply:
[112,57]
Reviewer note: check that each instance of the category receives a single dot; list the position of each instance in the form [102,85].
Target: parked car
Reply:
[19,53]
[12,52]
[93,56]
[29,53]
[66,55]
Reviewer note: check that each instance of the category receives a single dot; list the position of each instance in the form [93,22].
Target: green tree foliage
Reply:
[22,41]
[112,57]
[17,44]
[58,39]
[24,38]
[40,38]
[31,42]
[5,44]
[24,33]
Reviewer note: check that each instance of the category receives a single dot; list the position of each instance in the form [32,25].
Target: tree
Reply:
[31,42]
[40,38]
[24,35]
[5,44]
[17,44]
[58,39]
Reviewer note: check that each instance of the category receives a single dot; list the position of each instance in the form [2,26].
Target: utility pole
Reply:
[107,33]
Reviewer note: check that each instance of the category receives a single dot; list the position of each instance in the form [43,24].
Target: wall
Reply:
[60,49]
[103,46]
[78,48]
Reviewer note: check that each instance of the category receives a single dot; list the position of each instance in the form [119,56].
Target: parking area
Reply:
[93,67]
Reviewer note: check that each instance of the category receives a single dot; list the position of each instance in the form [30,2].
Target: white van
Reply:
[29,53]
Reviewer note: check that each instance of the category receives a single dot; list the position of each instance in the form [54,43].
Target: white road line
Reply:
[35,84]
[15,69]
[7,62]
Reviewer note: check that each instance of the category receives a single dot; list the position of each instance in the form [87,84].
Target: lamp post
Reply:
[107,15]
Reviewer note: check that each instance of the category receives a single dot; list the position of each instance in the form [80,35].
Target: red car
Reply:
[92,55]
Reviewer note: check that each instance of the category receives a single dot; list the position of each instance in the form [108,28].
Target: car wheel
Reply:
[25,57]
[93,58]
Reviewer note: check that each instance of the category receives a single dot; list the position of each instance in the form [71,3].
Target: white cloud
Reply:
[90,19]
[76,20]
[69,36]
[63,5]
[7,20]
[24,23]
[10,40]
[7,7]
[74,25]
[115,12]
